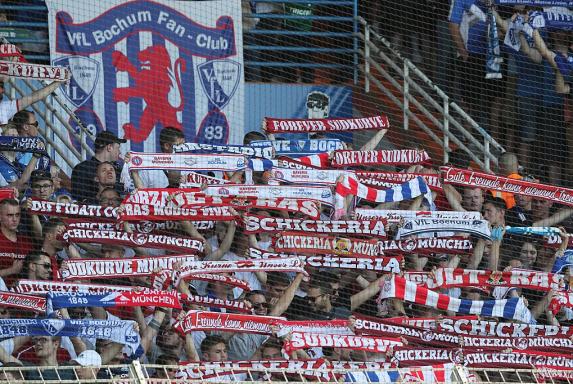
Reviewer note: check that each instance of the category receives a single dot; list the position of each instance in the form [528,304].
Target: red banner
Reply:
[228,280]
[272,125]
[469,178]
[139,212]
[213,302]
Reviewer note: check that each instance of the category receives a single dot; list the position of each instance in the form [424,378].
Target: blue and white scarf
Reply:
[493,55]
[118,331]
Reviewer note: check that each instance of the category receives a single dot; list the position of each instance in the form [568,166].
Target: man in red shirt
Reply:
[13,246]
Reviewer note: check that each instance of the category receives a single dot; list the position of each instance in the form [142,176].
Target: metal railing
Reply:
[201,372]
[416,89]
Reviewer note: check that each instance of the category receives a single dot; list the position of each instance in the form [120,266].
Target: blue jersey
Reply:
[8,172]
[565,65]
[473,30]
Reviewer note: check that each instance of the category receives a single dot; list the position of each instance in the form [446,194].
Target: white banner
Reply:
[139,66]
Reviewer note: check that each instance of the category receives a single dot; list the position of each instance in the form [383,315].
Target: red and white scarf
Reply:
[186,162]
[399,216]
[469,178]
[18,67]
[468,326]
[306,176]
[420,336]
[273,125]
[293,264]
[227,280]
[193,179]
[519,278]
[322,194]
[385,179]
[49,208]
[20,301]
[106,268]
[332,327]
[427,245]
[214,302]
[256,224]
[231,322]
[321,244]
[193,198]
[559,300]
[149,240]
[346,158]
[427,322]
[305,162]
[142,212]
[301,340]
[369,263]
[44,286]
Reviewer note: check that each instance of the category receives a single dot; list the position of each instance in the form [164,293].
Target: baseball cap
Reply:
[39,175]
[105,138]
[88,358]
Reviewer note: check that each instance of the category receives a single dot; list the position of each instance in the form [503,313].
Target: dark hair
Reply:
[12,202]
[497,202]
[166,359]
[277,278]
[210,341]
[51,225]
[322,284]
[169,135]
[250,294]
[252,136]
[272,342]
[21,118]
[32,257]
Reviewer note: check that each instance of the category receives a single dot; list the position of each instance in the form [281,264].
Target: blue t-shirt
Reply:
[530,76]
[476,42]
[8,172]
[550,97]
[565,65]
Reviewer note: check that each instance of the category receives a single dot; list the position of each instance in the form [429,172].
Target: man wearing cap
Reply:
[90,362]
[83,175]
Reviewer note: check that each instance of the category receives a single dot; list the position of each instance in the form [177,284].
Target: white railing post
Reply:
[446,129]
[366,58]
[486,154]
[406,91]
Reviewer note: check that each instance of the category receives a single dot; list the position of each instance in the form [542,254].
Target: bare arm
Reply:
[225,244]
[366,294]
[542,48]
[374,141]
[477,254]
[558,217]
[38,95]
[532,53]
[458,41]
[190,350]
[560,86]
[284,301]
[22,182]
[454,198]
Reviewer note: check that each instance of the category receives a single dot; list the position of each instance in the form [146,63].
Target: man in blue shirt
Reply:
[468,29]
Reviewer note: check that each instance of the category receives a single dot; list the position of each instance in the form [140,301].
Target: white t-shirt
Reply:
[8,109]
[150,178]
[249,277]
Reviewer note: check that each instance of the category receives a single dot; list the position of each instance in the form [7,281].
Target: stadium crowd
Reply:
[276,250]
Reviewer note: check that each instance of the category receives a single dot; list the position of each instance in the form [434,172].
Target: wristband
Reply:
[497,233]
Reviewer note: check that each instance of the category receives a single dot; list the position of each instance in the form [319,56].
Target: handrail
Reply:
[443,105]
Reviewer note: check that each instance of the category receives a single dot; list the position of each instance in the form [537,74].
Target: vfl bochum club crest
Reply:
[85,76]
[219,79]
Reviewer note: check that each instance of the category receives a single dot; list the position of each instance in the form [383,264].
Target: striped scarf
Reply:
[399,288]
[406,191]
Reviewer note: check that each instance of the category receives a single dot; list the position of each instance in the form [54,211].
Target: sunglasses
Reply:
[314,299]
[46,265]
[260,305]
[315,104]
[35,124]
